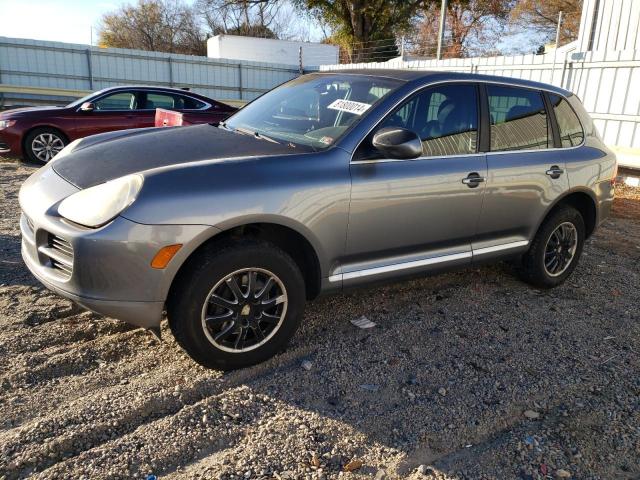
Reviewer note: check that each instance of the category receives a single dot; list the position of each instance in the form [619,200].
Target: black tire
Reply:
[208,269]
[59,141]
[533,268]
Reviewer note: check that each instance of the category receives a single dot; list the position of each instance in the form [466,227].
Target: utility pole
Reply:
[443,13]
[300,65]
[558,30]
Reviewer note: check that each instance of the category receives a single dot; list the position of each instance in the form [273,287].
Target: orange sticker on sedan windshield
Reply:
[349,106]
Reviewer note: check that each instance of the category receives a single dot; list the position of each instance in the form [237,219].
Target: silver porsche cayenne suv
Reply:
[330,181]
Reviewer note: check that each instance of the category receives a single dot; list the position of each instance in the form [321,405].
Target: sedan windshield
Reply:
[312,110]
[86,98]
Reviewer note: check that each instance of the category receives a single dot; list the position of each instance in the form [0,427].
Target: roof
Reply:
[426,76]
[147,87]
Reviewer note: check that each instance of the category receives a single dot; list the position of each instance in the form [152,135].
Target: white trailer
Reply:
[283,52]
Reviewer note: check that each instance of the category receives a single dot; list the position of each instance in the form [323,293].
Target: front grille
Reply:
[59,254]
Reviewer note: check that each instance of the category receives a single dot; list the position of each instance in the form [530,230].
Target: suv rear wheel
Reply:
[556,249]
[237,305]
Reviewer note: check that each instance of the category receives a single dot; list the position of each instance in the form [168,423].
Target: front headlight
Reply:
[95,206]
[7,123]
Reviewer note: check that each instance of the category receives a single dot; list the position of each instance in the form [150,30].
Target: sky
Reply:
[59,20]
[76,21]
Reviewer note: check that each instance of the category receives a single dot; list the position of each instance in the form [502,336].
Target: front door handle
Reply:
[473,180]
[555,172]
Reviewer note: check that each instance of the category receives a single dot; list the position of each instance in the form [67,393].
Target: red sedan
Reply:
[38,133]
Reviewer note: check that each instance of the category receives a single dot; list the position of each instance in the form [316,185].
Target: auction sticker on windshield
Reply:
[349,106]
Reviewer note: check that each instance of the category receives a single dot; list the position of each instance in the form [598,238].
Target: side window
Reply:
[445,117]
[518,119]
[571,133]
[161,100]
[117,101]
[190,103]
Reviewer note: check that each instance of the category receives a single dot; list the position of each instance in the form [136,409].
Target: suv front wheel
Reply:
[556,249]
[237,305]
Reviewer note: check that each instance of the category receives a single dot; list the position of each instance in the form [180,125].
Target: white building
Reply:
[284,52]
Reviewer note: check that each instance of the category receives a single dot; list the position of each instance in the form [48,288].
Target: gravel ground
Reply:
[467,375]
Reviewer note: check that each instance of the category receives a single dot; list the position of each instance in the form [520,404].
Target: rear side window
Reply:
[518,119]
[571,133]
[191,103]
[445,117]
[172,102]
[160,100]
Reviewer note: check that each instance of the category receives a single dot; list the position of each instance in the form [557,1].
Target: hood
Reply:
[23,111]
[103,157]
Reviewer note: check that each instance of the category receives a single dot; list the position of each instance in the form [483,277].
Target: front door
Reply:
[415,215]
[116,111]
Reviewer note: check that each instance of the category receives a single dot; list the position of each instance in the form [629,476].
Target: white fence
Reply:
[608,83]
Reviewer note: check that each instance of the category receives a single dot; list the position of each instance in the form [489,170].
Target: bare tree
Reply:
[472,28]
[155,25]
[255,18]
[542,17]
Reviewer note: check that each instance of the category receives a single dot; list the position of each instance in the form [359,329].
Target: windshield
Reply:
[313,110]
[86,98]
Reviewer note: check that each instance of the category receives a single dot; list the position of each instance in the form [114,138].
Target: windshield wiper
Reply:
[255,134]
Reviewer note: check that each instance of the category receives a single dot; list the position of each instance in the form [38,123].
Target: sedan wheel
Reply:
[42,144]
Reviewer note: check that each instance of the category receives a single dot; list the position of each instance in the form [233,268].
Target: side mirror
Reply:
[397,142]
[87,107]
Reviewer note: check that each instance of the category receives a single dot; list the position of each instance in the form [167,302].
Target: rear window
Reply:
[571,133]
[518,119]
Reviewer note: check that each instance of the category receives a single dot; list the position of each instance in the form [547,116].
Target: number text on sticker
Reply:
[349,106]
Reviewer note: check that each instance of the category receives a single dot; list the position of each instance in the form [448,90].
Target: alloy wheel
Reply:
[46,145]
[244,310]
[560,249]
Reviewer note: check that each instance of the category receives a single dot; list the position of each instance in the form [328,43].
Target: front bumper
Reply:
[10,142]
[107,270]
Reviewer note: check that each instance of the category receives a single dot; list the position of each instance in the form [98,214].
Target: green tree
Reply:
[365,28]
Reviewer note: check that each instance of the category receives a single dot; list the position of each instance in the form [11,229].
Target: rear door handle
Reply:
[473,180]
[554,172]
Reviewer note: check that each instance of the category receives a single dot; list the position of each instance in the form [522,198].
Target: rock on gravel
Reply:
[89,397]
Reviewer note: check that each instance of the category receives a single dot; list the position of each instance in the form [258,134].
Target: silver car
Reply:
[330,181]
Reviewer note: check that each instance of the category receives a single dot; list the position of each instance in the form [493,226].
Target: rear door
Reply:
[193,110]
[414,215]
[525,173]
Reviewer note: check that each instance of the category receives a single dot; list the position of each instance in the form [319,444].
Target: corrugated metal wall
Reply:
[34,63]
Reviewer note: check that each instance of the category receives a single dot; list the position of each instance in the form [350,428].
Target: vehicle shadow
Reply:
[449,370]
[12,269]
